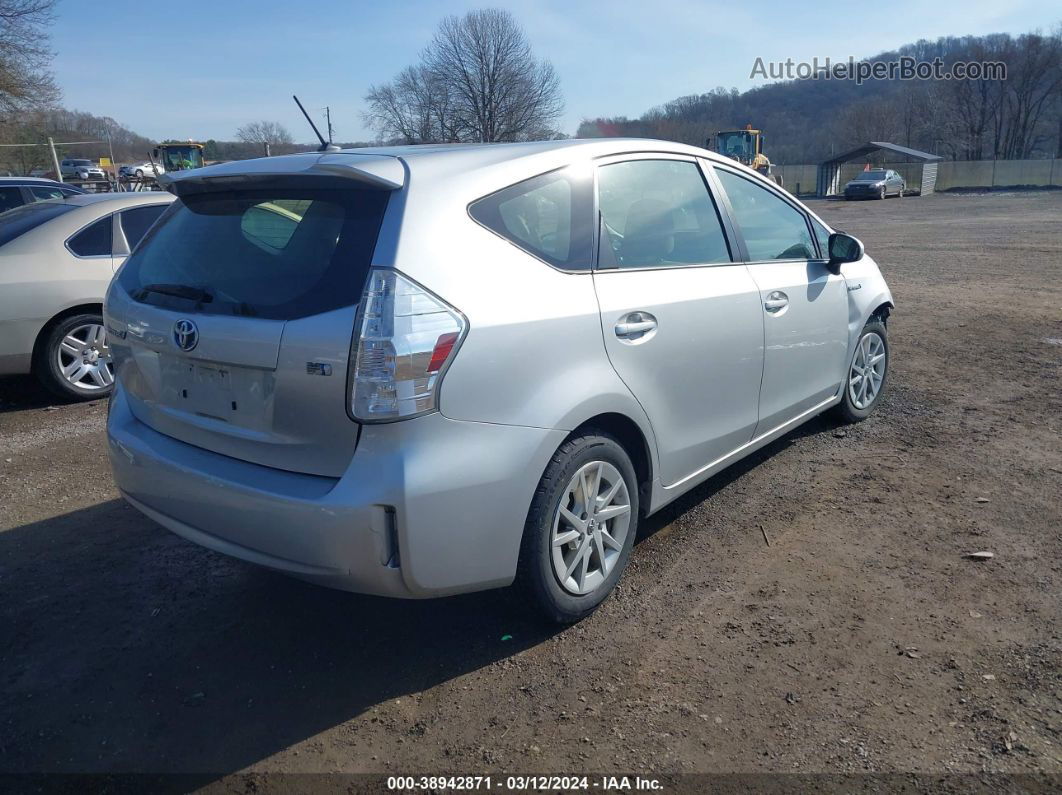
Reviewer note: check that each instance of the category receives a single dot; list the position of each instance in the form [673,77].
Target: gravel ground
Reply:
[859,639]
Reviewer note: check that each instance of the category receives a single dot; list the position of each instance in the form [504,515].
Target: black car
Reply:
[16,191]
[876,184]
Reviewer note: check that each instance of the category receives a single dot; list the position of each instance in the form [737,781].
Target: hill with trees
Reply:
[807,120]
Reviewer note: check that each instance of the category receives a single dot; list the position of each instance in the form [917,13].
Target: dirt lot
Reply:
[859,639]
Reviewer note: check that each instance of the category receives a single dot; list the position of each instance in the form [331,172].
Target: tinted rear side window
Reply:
[94,241]
[137,221]
[658,213]
[9,198]
[20,220]
[549,216]
[278,254]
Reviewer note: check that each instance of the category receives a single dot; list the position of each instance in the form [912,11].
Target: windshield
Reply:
[870,176]
[278,254]
[81,162]
[15,223]
[737,144]
[182,158]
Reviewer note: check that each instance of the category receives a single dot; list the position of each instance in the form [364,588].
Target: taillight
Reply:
[404,338]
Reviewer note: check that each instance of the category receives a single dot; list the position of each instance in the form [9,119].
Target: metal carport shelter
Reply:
[829,176]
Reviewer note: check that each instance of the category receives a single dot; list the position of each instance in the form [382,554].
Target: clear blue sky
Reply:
[197,69]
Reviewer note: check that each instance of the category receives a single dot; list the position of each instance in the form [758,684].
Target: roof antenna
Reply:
[326,146]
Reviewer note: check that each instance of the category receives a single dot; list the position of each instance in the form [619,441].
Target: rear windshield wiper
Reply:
[197,294]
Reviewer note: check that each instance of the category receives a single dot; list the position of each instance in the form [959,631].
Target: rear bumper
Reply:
[453,496]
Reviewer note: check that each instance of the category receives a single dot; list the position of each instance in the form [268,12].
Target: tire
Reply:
[605,544]
[77,344]
[853,406]
[883,194]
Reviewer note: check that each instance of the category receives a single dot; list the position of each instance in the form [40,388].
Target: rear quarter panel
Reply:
[533,354]
[40,278]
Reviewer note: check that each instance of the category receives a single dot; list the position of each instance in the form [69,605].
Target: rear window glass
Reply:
[548,216]
[20,220]
[278,254]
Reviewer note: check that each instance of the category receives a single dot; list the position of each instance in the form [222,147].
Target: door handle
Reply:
[776,301]
[635,325]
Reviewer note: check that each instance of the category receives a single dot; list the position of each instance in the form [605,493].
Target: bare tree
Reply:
[25,81]
[478,80]
[415,107]
[264,132]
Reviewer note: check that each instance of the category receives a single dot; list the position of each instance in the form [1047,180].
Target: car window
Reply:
[271,225]
[94,240]
[41,193]
[549,216]
[773,228]
[822,236]
[278,253]
[658,213]
[138,220]
[10,197]
[17,222]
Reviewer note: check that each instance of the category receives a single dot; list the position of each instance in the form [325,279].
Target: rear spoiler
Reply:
[379,172]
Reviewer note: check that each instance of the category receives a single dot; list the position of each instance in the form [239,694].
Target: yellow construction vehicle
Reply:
[745,146]
[175,156]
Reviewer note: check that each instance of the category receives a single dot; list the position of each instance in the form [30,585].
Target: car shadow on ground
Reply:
[127,649]
[21,392]
[824,423]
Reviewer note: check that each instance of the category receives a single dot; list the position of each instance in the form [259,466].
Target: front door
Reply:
[804,306]
[681,320]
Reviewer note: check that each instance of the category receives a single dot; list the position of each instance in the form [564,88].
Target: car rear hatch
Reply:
[231,323]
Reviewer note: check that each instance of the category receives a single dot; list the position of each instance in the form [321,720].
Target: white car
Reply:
[140,170]
[56,259]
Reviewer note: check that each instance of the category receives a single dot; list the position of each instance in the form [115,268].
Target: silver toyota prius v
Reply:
[417,371]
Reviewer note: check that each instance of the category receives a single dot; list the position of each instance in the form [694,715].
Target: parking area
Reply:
[811,609]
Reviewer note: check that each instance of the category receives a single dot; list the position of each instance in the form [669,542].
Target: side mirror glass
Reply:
[843,248]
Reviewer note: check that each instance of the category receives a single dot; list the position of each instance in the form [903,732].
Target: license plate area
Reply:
[241,396]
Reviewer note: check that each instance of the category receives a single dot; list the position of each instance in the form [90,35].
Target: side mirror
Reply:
[843,248]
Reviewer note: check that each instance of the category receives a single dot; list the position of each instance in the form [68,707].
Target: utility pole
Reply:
[110,147]
[55,160]
[328,118]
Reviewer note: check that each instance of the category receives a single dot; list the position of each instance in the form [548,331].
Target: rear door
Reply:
[681,320]
[235,318]
[804,306]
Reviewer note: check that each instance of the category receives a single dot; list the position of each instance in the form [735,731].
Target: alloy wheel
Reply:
[590,527]
[868,370]
[84,359]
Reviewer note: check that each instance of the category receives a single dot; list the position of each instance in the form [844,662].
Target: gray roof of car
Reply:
[389,166]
